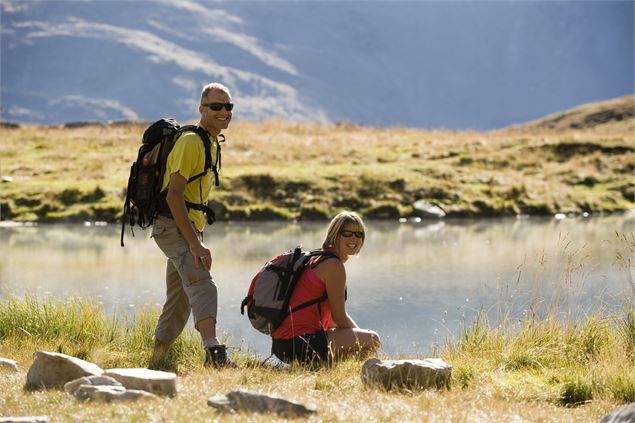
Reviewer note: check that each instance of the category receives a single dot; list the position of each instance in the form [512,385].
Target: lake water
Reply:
[414,283]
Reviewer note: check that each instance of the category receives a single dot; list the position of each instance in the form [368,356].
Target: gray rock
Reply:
[7,365]
[253,402]
[154,381]
[625,414]
[85,392]
[26,419]
[107,393]
[53,370]
[221,403]
[407,374]
[73,385]
[426,210]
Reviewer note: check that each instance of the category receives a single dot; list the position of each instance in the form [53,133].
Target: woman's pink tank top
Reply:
[310,319]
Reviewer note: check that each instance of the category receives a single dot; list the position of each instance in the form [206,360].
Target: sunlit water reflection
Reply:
[413,283]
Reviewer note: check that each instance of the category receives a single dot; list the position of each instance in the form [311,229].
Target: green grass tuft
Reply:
[575,392]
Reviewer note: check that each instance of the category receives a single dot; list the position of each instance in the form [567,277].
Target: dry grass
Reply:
[337,393]
[545,370]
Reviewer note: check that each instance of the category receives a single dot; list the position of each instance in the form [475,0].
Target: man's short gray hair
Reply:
[211,87]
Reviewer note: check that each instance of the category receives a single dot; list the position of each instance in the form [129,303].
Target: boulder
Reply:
[625,414]
[426,210]
[253,402]
[154,381]
[53,370]
[73,385]
[25,419]
[7,365]
[407,374]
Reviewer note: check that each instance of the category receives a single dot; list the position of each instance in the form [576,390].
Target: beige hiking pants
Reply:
[189,288]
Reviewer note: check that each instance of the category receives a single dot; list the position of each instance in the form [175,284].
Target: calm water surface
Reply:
[414,283]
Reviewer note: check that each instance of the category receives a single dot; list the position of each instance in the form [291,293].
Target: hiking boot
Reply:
[216,356]
[159,354]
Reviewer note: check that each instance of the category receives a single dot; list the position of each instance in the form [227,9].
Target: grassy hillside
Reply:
[611,115]
[276,170]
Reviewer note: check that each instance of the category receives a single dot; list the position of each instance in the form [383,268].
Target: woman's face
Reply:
[349,240]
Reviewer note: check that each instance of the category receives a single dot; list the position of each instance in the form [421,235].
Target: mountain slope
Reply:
[457,65]
[615,114]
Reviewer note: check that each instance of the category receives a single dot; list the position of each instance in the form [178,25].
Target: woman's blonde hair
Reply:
[335,227]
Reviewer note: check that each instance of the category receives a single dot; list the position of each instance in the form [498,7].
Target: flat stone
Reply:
[253,402]
[154,381]
[53,370]
[107,393]
[85,392]
[625,414]
[26,419]
[8,365]
[407,374]
[73,385]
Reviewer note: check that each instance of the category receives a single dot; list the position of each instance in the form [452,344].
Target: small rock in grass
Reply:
[407,374]
[8,365]
[253,402]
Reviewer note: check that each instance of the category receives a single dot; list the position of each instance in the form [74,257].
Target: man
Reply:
[178,231]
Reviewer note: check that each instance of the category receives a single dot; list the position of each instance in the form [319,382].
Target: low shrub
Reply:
[314,212]
[68,196]
[383,210]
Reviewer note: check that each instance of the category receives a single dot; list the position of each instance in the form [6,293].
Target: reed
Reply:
[564,356]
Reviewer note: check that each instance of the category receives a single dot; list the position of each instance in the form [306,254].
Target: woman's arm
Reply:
[333,274]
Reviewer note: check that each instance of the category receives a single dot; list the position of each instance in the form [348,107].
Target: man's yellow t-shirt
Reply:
[188,159]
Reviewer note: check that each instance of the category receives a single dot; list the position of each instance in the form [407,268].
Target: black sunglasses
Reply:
[348,234]
[218,106]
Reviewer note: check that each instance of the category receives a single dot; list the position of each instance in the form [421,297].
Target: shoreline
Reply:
[451,220]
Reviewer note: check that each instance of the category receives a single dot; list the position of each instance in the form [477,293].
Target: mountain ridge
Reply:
[414,64]
[612,114]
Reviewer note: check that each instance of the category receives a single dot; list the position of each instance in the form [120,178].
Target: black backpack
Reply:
[144,199]
[269,293]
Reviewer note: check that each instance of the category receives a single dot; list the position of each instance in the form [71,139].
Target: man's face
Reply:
[215,120]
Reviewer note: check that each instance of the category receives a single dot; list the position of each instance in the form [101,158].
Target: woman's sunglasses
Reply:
[218,106]
[348,234]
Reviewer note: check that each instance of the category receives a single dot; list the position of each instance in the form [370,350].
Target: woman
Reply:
[324,330]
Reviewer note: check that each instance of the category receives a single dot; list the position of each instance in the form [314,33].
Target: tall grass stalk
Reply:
[573,360]
[80,328]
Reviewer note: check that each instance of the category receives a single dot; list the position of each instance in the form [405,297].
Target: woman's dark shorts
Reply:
[307,349]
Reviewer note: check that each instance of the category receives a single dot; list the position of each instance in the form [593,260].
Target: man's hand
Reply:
[176,201]
[202,255]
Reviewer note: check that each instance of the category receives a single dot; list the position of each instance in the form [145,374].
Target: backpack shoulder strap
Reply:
[205,137]
[323,255]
